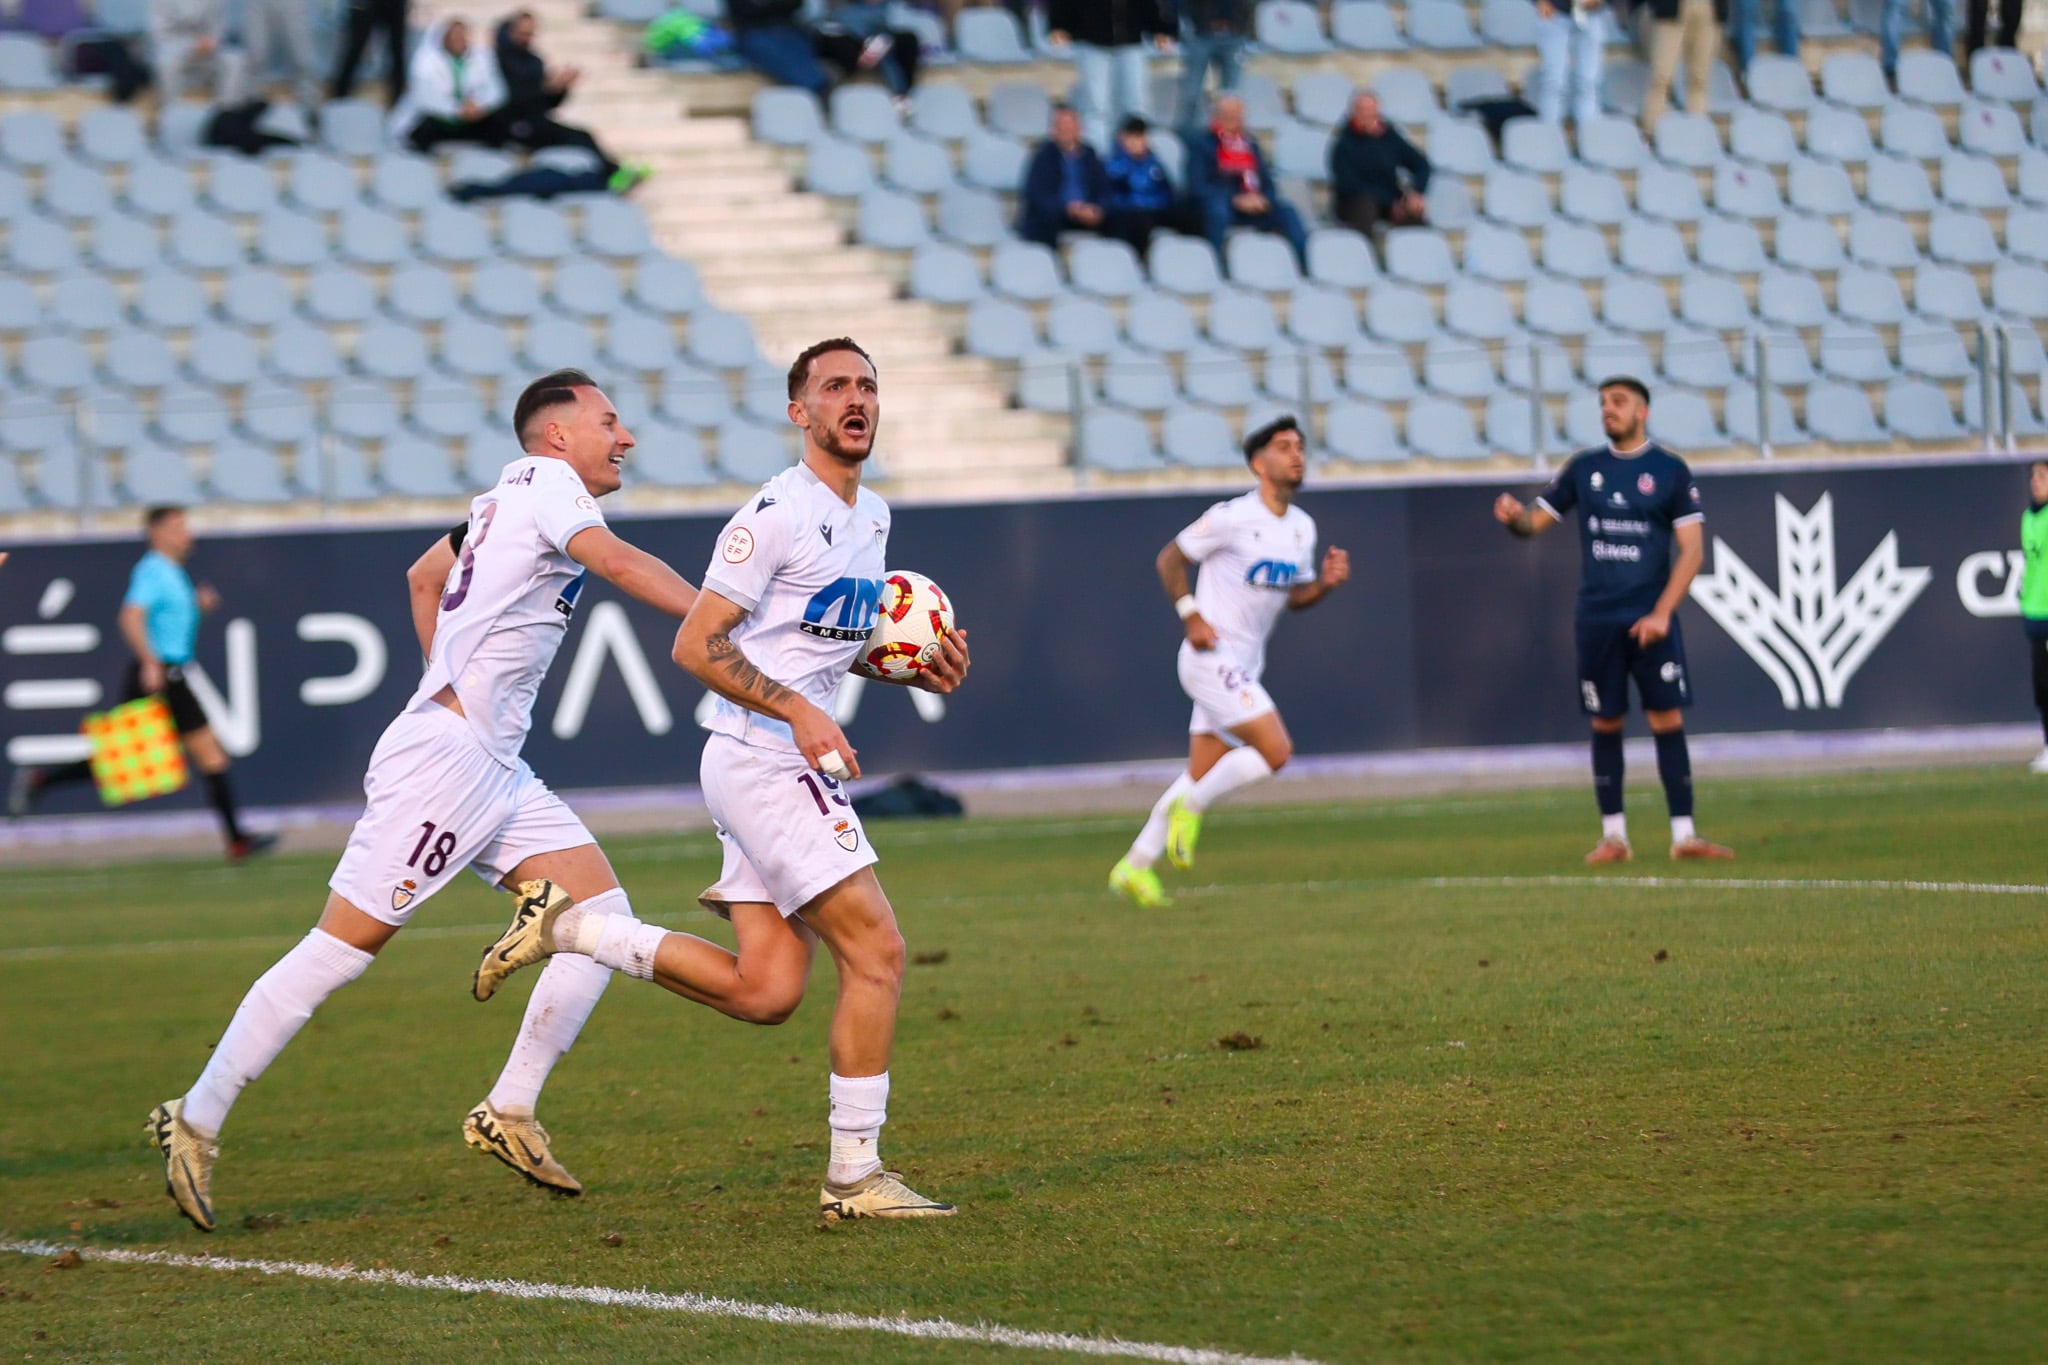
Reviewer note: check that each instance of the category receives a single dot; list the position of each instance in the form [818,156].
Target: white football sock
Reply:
[1614,827]
[275,1009]
[860,1106]
[1151,840]
[1682,829]
[1238,768]
[555,1013]
[623,943]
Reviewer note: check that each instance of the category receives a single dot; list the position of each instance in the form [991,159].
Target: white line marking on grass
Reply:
[1627,883]
[704,1305]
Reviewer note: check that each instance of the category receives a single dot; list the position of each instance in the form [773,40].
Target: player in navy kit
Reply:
[1640,530]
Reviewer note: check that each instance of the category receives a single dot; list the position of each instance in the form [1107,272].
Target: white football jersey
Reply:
[508,600]
[1249,558]
[809,570]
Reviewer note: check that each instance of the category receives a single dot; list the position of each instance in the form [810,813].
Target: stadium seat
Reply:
[1321,316]
[1516,199]
[1379,371]
[1865,293]
[1458,146]
[1810,244]
[1419,256]
[989,35]
[75,192]
[993,162]
[504,291]
[223,357]
[1513,422]
[1608,353]
[645,345]
[453,412]
[2020,291]
[1184,265]
[1261,260]
[1539,364]
[2000,73]
[586,289]
[1854,79]
[1879,239]
[1289,27]
[972,217]
[1395,312]
[455,235]
[21,311]
[36,246]
[1342,258]
[1689,140]
[1220,375]
[1919,411]
[240,472]
[475,350]
[1159,322]
[1557,308]
[615,229]
[557,343]
[694,397]
[373,238]
[534,232]
[1000,330]
[1909,131]
[1025,271]
[1668,194]
[1366,26]
[1508,23]
[1322,98]
[1841,413]
[1115,441]
[1301,151]
[667,286]
[85,303]
[1739,405]
[1931,349]
[257,299]
[30,140]
[1441,25]
[1473,83]
[361,411]
[864,113]
[945,112]
[1780,355]
[1974,182]
[1199,437]
[1406,96]
[1473,308]
[1441,429]
[1242,320]
[1361,432]
[1499,255]
[2026,235]
[1822,187]
[1458,366]
[2033,186]
[1947,293]
[1612,144]
[1780,84]
[1635,305]
[157,189]
[1082,326]
[1898,185]
[1990,129]
[1836,134]
[786,117]
[669,456]
[1928,77]
[1855,352]
[1591,196]
[111,136]
[1759,136]
[1652,248]
[139,360]
[1696,357]
[319,183]
[1019,109]
[1715,302]
[153,475]
[1788,298]
[1744,191]
[945,275]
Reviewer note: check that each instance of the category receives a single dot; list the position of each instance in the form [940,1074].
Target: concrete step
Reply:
[695,239]
[686,212]
[837,291]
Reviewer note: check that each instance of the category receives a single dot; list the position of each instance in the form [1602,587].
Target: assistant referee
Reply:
[160,621]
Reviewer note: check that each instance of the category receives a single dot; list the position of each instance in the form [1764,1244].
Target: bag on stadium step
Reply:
[909,796]
[135,751]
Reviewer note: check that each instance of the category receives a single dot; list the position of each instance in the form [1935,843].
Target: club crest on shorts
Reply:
[845,835]
[402,894]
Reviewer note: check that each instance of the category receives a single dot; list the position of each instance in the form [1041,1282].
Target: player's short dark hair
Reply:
[1133,126]
[550,390]
[800,368]
[1629,382]
[159,514]
[1263,437]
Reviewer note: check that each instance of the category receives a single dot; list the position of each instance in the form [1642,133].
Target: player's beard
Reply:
[834,444]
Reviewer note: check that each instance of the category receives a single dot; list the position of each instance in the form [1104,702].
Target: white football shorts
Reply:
[788,832]
[1225,690]
[437,804]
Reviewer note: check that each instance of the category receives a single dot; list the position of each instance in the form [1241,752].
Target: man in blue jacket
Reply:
[1141,193]
[1064,185]
[1231,185]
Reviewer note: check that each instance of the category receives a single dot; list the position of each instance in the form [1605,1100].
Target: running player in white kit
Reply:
[447,788]
[793,590]
[1257,554]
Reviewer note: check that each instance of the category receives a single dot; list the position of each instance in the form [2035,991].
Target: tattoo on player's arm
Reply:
[746,679]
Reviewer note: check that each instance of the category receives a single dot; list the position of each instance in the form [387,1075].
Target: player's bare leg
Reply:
[1607,785]
[186,1130]
[1674,767]
[1263,749]
[1133,876]
[503,1124]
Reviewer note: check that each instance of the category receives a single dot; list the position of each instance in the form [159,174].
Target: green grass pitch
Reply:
[1487,1117]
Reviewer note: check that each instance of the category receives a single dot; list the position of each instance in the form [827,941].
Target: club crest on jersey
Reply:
[1599,481]
[845,835]
[1646,485]
[844,609]
[402,894]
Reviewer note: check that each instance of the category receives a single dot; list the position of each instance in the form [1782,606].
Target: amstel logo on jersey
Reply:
[402,894]
[845,835]
[845,609]
[1272,573]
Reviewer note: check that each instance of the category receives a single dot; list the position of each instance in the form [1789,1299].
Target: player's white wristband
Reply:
[832,765]
[1186,605]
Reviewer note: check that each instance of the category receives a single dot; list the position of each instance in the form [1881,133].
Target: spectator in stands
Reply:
[1212,33]
[1065,188]
[1745,17]
[534,90]
[856,36]
[1230,185]
[1570,39]
[1141,196]
[366,18]
[188,47]
[454,93]
[271,27]
[772,39]
[1368,161]
[1676,26]
[1109,39]
[1941,29]
[1973,37]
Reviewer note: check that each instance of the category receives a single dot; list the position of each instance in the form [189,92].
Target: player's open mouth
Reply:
[855,426]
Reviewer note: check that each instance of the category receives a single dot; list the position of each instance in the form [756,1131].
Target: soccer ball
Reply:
[915,617]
